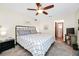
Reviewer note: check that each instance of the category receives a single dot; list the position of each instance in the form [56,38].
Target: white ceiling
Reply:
[59,9]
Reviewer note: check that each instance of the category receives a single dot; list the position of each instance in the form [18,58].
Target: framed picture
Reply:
[78,21]
[78,24]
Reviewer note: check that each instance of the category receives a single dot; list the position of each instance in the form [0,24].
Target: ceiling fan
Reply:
[40,9]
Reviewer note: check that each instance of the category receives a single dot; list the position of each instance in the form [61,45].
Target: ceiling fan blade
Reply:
[48,7]
[31,9]
[38,5]
[37,13]
[45,13]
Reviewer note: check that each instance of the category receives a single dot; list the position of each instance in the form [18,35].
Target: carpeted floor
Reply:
[58,49]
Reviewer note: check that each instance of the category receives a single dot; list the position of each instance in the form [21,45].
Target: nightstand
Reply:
[6,45]
[72,41]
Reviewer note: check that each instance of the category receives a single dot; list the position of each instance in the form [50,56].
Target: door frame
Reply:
[62,22]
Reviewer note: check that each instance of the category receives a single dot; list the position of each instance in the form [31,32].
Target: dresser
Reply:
[78,38]
[6,45]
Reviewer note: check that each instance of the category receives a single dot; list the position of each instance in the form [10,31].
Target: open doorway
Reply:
[59,30]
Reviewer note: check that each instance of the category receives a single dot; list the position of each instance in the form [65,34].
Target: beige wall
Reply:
[69,21]
[10,19]
[77,17]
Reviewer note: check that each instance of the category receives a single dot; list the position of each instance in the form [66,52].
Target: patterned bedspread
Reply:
[37,44]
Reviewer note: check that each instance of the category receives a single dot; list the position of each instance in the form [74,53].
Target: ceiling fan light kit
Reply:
[41,10]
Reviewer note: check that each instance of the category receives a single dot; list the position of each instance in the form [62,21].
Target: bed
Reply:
[36,43]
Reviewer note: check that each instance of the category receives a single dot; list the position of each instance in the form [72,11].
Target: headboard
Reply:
[24,30]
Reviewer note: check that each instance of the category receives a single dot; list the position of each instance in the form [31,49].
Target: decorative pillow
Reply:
[33,31]
[23,32]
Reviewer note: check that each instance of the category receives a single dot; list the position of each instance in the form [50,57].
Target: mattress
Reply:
[37,44]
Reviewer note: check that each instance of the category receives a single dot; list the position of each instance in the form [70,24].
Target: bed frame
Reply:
[26,28]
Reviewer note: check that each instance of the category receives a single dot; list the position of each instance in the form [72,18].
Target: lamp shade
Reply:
[3,31]
[37,30]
